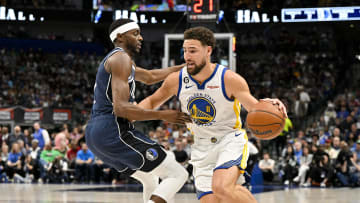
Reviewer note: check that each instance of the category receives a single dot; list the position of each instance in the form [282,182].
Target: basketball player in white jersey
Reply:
[212,95]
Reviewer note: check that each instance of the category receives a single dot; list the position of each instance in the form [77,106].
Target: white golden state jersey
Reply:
[212,111]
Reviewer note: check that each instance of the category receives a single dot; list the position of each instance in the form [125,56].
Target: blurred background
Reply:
[306,53]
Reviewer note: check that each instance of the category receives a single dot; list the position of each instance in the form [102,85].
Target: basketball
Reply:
[265,121]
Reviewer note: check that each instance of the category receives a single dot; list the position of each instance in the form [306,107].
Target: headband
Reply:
[122,29]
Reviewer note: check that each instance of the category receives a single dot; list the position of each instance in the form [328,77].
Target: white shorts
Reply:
[221,152]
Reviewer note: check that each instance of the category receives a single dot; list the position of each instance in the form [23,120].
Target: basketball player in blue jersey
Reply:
[110,134]
[212,95]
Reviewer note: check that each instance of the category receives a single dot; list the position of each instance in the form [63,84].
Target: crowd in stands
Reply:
[22,32]
[60,80]
[327,153]
[33,155]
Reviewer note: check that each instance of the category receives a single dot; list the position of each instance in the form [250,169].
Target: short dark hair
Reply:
[203,34]
[117,23]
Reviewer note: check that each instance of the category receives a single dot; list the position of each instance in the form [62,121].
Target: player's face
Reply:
[134,40]
[196,55]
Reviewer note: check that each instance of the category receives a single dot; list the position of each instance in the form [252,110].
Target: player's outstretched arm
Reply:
[168,89]
[154,76]
[120,67]
[237,87]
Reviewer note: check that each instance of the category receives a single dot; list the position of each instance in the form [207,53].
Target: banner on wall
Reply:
[33,115]
[44,115]
[6,114]
[61,115]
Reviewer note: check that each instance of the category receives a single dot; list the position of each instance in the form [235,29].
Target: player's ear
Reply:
[209,50]
[120,37]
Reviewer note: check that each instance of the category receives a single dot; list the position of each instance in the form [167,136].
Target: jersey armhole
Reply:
[223,85]
[180,84]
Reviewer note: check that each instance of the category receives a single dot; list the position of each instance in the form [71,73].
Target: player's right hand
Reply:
[178,117]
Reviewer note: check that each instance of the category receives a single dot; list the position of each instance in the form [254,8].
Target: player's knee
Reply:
[221,189]
[183,175]
[179,172]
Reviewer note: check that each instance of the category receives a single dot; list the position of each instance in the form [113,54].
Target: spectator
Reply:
[356,165]
[355,132]
[181,155]
[337,133]
[57,171]
[321,174]
[22,148]
[343,113]
[356,150]
[41,135]
[5,135]
[84,164]
[288,165]
[344,173]
[32,168]
[335,149]
[323,137]
[330,114]
[28,138]
[267,167]
[298,151]
[35,150]
[17,135]
[304,98]
[305,161]
[14,164]
[281,139]
[72,153]
[61,140]
[4,154]
[100,171]
[47,156]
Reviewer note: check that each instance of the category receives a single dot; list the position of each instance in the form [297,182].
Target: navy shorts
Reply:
[121,147]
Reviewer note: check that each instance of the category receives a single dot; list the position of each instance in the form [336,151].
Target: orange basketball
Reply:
[265,121]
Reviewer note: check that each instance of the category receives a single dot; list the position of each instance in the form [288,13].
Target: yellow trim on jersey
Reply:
[237,110]
[245,152]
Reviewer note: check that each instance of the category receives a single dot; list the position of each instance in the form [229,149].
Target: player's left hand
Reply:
[281,106]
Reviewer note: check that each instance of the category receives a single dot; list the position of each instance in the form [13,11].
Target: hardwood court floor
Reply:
[103,193]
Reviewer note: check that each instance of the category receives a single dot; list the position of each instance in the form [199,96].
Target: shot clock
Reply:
[203,11]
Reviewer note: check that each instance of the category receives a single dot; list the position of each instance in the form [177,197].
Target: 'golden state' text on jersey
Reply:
[212,111]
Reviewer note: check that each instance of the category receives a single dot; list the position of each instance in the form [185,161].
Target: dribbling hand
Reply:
[281,106]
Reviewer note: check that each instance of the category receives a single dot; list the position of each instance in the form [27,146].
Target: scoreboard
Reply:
[203,11]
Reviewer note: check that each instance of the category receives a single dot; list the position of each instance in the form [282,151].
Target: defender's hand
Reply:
[281,106]
[173,116]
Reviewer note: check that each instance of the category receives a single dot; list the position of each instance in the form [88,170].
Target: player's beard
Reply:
[197,68]
[133,48]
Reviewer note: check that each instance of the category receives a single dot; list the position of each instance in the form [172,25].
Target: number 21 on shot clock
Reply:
[203,11]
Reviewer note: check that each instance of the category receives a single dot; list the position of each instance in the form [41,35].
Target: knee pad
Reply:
[170,168]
